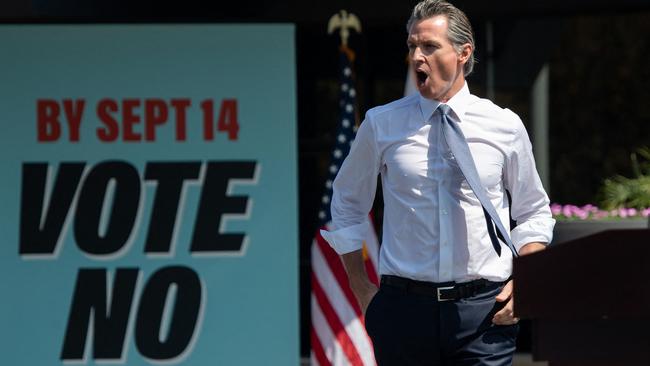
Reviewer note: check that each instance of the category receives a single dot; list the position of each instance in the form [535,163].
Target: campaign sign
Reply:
[148,191]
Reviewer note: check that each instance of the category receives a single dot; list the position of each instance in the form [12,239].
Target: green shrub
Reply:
[619,191]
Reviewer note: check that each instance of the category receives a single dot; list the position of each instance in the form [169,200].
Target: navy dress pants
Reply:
[415,329]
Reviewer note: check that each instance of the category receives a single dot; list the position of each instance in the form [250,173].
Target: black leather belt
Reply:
[446,291]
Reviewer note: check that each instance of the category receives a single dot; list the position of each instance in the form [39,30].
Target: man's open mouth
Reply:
[421,77]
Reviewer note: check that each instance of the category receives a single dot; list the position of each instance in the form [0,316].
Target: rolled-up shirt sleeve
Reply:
[354,192]
[530,203]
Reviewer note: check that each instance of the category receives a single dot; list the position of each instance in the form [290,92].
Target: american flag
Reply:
[338,334]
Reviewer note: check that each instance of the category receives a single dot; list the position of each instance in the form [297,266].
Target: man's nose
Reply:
[417,55]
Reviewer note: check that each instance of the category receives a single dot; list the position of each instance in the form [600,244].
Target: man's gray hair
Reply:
[459,29]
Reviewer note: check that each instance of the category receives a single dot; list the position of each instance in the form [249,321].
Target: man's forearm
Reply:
[355,267]
[361,286]
[531,248]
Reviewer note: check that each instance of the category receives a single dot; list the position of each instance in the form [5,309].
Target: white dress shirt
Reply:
[434,226]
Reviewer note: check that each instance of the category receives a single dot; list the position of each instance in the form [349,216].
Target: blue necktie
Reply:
[460,150]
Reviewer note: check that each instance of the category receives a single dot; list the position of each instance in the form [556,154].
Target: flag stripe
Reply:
[333,351]
[313,360]
[373,244]
[338,270]
[317,349]
[372,274]
[372,248]
[335,323]
[353,324]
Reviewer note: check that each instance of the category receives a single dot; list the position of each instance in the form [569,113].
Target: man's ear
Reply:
[466,51]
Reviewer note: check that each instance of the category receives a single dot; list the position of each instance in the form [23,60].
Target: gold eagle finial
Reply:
[344,21]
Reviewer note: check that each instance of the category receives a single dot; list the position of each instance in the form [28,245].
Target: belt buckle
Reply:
[440,294]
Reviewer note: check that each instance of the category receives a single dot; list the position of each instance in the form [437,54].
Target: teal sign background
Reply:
[250,299]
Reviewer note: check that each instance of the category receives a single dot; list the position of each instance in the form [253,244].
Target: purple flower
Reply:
[556,209]
[582,214]
[600,215]
[567,210]
[590,211]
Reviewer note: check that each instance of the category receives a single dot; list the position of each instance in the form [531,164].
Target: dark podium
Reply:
[588,300]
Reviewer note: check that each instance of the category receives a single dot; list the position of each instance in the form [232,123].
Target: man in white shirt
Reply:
[445,295]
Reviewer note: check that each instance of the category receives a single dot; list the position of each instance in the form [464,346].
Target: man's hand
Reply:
[506,316]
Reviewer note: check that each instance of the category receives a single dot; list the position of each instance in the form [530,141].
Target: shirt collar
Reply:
[457,103]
